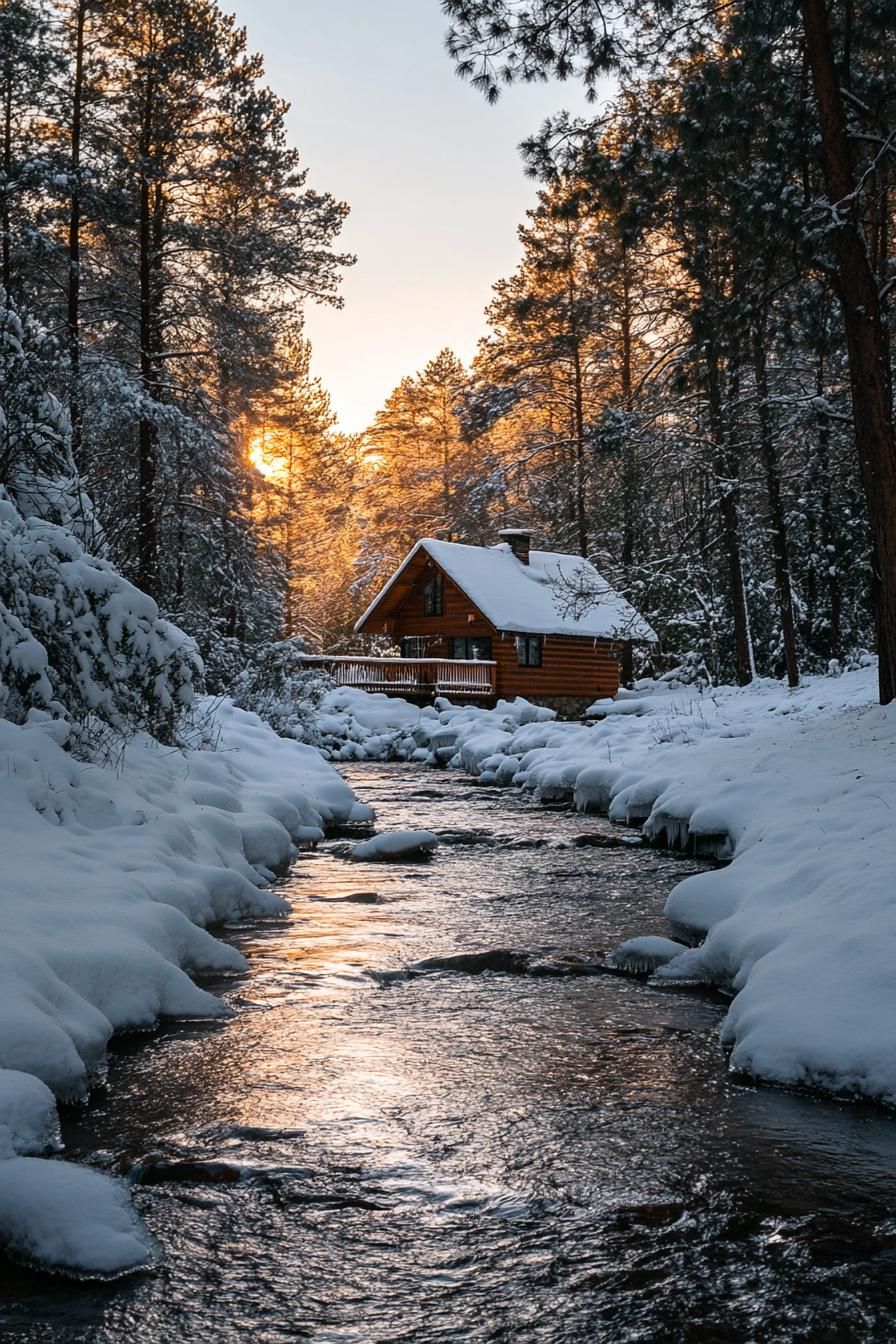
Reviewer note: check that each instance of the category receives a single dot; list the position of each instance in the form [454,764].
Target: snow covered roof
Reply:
[530,599]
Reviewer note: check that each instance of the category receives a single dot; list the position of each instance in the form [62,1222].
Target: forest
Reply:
[461,1012]
[687,378]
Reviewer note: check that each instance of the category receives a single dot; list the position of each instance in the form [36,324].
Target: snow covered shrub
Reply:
[77,641]
[36,465]
[691,671]
[279,686]
[224,658]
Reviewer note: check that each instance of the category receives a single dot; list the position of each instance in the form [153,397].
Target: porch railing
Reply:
[415,676]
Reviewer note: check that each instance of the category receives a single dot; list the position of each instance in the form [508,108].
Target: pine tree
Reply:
[30,62]
[495,41]
[548,347]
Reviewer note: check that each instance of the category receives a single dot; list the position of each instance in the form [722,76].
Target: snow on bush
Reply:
[35,436]
[78,642]
[69,1219]
[799,788]
[276,683]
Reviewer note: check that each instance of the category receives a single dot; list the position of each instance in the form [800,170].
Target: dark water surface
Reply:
[476,1157]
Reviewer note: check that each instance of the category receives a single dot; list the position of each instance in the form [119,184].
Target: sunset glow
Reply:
[265,459]
[428,253]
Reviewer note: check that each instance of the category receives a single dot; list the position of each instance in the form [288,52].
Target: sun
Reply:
[270,464]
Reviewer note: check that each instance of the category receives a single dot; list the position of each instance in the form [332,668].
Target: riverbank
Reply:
[112,876]
[797,788]
[543,1158]
[115,873]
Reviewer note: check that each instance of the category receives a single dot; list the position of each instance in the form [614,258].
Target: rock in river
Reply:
[396,846]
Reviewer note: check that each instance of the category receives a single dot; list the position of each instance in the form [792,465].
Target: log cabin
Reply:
[500,621]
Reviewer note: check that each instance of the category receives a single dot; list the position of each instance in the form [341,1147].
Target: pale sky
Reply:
[431,172]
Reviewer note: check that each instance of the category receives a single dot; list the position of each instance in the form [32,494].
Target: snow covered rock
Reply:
[395,846]
[361,814]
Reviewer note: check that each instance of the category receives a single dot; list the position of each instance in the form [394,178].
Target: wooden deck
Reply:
[426,677]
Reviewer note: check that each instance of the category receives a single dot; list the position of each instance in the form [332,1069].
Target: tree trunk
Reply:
[726,473]
[229,506]
[780,546]
[866,338]
[147,533]
[5,223]
[579,438]
[827,534]
[74,248]
[578,391]
[627,667]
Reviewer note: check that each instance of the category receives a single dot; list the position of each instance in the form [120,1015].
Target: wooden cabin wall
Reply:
[459,617]
[571,666]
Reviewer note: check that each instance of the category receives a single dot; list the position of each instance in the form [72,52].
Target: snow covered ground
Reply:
[799,788]
[110,876]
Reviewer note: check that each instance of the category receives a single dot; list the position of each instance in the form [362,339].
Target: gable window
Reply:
[470,650]
[528,650]
[433,596]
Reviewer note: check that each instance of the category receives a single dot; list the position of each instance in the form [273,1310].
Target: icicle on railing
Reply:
[418,676]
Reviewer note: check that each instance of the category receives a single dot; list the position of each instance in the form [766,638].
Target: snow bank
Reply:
[799,788]
[359,725]
[68,1219]
[110,877]
[28,1119]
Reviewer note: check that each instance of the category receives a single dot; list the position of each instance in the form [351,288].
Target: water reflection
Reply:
[484,1158]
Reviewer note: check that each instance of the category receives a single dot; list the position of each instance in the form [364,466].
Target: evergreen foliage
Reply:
[688,378]
[732,374]
[157,239]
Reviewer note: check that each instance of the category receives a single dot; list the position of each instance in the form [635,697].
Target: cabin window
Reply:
[433,596]
[470,650]
[528,650]
[413,646]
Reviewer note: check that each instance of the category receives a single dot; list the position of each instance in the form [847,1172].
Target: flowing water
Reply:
[483,1157]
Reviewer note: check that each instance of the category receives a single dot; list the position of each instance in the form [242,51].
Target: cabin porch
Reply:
[411,678]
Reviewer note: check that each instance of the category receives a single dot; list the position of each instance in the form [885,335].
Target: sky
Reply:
[431,173]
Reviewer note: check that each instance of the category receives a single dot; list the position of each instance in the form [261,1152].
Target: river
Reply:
[492,1157]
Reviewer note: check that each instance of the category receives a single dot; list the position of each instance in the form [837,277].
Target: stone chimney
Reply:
[518,541]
